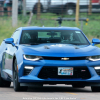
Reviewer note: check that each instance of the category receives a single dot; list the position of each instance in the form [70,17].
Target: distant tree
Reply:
[38,10]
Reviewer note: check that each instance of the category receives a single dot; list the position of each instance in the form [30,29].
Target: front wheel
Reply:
[16,84]
[1,81]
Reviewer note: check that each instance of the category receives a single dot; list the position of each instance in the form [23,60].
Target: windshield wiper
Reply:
[75,44]
[34,43]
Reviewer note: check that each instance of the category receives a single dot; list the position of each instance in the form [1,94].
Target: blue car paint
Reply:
[56,50]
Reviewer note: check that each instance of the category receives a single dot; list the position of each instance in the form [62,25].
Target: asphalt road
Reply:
[49,92]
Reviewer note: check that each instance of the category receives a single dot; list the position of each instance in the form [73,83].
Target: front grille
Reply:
[59,58]
[27,71]
[97,71]
[51,72]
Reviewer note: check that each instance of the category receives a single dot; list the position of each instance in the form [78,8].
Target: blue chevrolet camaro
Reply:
[34,56]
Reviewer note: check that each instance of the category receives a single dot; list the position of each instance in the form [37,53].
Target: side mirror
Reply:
[9,41]
[95,41]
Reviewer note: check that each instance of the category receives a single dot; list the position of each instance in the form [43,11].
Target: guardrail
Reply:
[72,19]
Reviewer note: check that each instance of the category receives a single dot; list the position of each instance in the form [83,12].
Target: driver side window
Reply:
[15,36]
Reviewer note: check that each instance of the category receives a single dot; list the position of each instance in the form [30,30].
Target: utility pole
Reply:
[90,8]
[77,12]
[14,12]
[38,9]
[24,7]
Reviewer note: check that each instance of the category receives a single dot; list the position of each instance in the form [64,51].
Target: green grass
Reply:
[92,30]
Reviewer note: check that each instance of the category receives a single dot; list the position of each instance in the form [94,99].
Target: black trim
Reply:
[52,72]
[60,82]
[60,58]
[97,71]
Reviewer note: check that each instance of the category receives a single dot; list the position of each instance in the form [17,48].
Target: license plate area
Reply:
[68,71]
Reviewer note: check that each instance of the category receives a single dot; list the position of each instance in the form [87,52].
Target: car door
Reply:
[8,54]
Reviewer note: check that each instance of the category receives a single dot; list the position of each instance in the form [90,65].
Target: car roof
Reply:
[49,28]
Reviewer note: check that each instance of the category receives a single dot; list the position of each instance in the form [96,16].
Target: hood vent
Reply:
[46,47]
[76,47]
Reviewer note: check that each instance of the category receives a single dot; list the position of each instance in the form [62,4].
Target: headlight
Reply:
[33,58]
[94,58]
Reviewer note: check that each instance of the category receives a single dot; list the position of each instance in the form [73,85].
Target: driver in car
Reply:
[65,38]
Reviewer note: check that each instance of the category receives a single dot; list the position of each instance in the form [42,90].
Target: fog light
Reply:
[29,67]
[98,67]
[28,70]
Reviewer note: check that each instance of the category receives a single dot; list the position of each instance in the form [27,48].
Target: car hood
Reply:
[60,50]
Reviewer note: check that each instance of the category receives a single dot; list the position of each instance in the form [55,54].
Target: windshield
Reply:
[53,36]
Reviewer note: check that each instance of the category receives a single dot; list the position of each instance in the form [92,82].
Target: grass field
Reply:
[92,30]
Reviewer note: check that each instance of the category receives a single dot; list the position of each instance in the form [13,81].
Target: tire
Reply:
[35,8]
[1,81]
[95,89]
[16,84]
[7,83]
[4,83]
[70,11]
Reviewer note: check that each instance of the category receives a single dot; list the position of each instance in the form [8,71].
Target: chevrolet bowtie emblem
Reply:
[64,58]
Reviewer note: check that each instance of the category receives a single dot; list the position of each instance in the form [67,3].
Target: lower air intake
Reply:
[52,72]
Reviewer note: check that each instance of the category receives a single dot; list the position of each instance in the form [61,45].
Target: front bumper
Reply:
[31,81]
[38,65]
